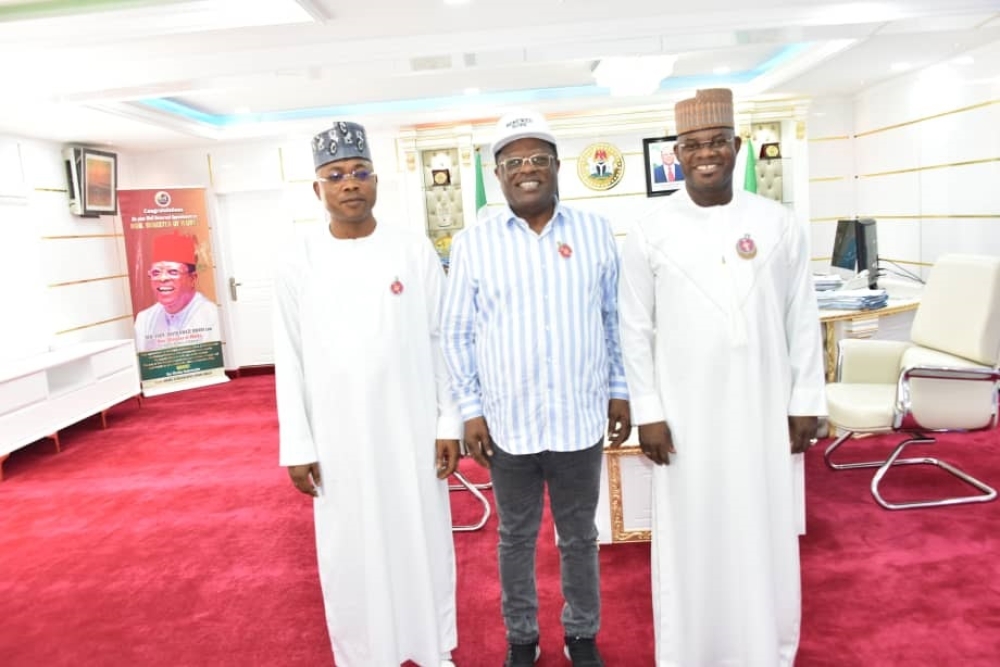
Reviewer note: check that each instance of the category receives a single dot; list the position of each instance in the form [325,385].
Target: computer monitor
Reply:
[844,260]
[855,249]
[867,241]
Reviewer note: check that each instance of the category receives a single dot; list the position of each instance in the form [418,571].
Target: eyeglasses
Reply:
[173,274]
[540,160]
[692,147]
[337,177]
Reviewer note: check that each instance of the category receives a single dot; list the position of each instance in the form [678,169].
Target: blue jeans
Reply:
[573,479]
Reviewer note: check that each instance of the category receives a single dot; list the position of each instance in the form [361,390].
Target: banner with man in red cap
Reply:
[177,331]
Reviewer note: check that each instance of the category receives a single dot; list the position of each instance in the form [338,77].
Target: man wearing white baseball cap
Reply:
[530,334]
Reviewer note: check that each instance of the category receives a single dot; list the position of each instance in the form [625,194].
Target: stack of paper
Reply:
[823,283]
[853,299]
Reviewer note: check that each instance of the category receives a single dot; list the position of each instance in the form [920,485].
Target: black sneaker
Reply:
[522,655]
[582,652]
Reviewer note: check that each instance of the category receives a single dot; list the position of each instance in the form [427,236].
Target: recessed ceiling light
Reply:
[899,67]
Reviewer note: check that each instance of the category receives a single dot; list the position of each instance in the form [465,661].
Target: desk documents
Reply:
[823,283]
[852,299]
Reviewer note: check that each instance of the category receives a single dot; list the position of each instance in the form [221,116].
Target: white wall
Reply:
[65,276]
[920,154]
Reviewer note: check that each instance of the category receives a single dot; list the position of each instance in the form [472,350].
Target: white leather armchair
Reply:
[945,378]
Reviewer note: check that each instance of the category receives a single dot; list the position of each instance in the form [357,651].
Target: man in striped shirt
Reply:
[530,334]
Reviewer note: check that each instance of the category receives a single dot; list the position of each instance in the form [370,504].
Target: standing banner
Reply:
[171,276]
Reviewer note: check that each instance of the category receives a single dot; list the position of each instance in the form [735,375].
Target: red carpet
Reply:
[173,539]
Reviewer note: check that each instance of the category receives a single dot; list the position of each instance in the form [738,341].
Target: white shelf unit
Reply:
[44,393]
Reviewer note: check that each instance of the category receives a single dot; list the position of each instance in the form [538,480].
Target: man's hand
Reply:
[619,422]
[447,457]
[306,478]
[656,442]
[802,432]
[477,441]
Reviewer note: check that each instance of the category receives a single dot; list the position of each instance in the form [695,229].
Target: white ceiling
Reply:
[147,74]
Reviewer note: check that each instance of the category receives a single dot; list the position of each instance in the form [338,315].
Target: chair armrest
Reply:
[861,361]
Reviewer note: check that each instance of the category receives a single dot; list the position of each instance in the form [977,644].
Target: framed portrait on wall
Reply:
[100,183]
[664,175]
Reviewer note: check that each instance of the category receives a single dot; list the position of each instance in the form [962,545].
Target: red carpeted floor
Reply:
[173,539]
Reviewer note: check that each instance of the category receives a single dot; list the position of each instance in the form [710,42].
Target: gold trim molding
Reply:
[93,324]
[948,216]
[887,259]
[844,137]
[931,167]
[916,121]
[80,236]
[619,532]
[88,280]
[907,261]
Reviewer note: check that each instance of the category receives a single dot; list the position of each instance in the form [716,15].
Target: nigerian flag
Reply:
[480,189]
[750,172]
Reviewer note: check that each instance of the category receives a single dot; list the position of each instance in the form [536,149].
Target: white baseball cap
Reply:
[521,125]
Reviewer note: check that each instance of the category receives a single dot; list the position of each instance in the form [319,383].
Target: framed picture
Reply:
[100,182]
[630,494]
[663,171]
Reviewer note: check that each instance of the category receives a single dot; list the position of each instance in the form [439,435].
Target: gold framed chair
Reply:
[945,378]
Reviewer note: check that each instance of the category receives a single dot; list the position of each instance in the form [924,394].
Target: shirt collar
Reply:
[559,216]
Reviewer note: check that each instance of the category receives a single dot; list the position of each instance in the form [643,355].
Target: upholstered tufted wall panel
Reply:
[770,182]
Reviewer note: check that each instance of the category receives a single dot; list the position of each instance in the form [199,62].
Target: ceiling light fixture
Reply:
[639,75]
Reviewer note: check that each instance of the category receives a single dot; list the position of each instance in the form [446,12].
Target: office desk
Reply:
[837,324]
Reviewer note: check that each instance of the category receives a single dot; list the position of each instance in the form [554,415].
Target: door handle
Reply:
[232,288]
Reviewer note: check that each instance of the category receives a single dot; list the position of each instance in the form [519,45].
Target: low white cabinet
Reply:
[41,394]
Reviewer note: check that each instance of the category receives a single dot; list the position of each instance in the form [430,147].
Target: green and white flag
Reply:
[750,171]
[480,189]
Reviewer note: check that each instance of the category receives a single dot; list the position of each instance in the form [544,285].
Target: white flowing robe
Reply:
[724,349]
[362,388]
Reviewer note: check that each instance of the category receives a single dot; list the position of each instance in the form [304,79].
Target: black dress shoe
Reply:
[522,655]
[582,652]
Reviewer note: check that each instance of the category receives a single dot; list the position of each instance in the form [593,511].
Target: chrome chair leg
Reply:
[482,486]
[832,447]
[987,494]
[474,489]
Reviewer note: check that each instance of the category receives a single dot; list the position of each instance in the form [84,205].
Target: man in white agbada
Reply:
[723,356]
[368,424]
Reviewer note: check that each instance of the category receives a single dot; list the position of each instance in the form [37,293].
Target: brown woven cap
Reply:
[709,108]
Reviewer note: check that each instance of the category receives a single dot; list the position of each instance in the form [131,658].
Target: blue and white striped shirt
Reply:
[530,329]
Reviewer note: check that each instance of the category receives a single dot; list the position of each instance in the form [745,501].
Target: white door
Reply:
[255,226]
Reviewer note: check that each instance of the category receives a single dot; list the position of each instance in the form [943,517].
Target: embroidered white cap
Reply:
[521,125]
